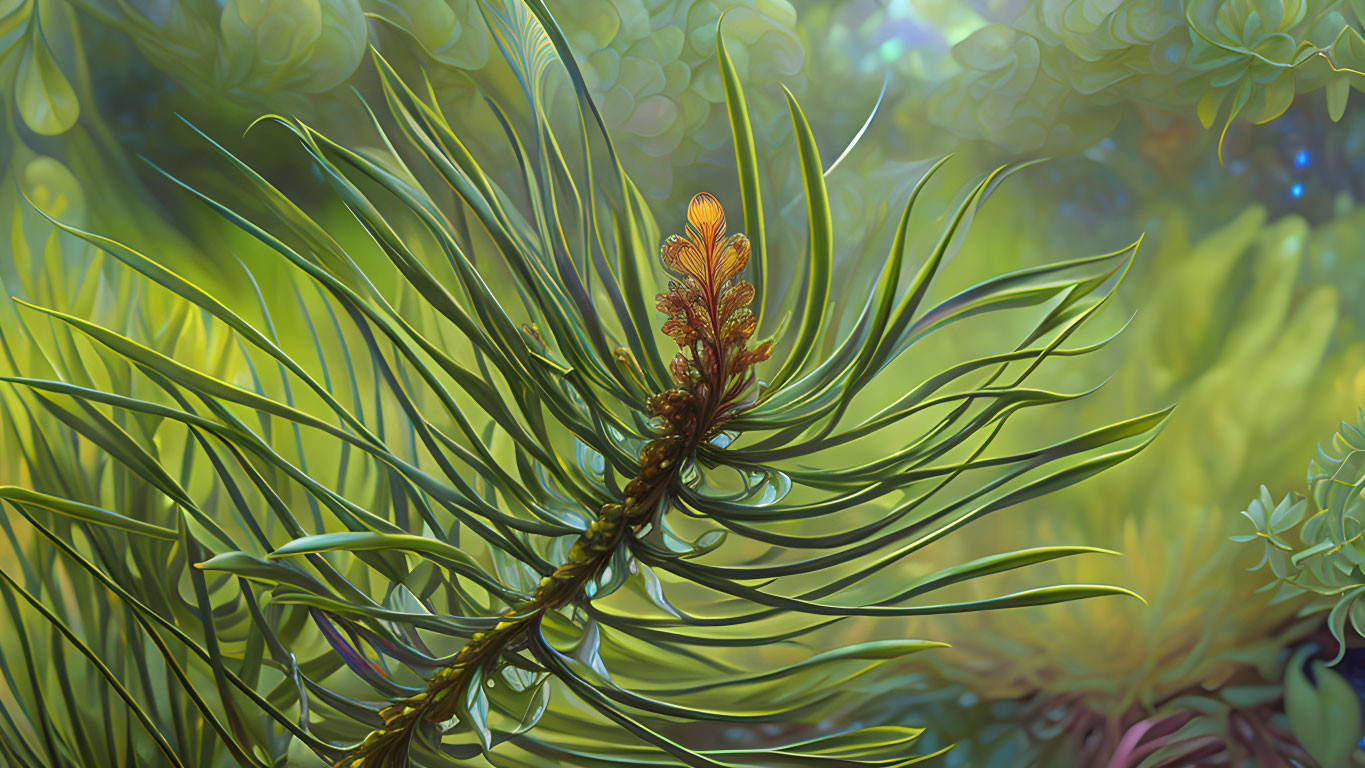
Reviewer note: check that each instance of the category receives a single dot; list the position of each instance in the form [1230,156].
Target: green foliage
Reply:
[434,481]
[305,46]
[45,98]
[451,33]
[652,64]
[1243,369]
[1006,96]
[1052,76]
[1325,716]
[1313,545]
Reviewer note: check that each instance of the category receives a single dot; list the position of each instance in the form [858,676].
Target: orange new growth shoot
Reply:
[708,315]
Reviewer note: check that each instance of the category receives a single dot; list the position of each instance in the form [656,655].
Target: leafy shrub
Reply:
[1051,76]
[1312,544]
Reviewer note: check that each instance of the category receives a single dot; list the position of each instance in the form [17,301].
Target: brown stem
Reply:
[387,745]
[691,413]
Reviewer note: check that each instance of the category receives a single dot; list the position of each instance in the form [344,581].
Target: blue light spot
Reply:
[1361,743]
[1301,159]
[1296,190]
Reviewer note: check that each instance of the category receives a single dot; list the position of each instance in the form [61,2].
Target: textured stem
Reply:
[387,746]
[709,319]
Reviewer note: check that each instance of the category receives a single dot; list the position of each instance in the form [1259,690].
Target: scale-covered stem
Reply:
[708,317]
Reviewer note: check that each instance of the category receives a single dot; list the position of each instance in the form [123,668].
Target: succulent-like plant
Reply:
[1312,545]
[491,519]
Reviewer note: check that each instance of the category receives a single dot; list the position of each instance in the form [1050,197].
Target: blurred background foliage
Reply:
[1248,294]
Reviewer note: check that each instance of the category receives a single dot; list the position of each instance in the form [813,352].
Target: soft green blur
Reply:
[1248,292]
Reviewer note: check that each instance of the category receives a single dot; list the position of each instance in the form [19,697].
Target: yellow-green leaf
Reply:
[46,100]
[84,512]
[1338,92]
